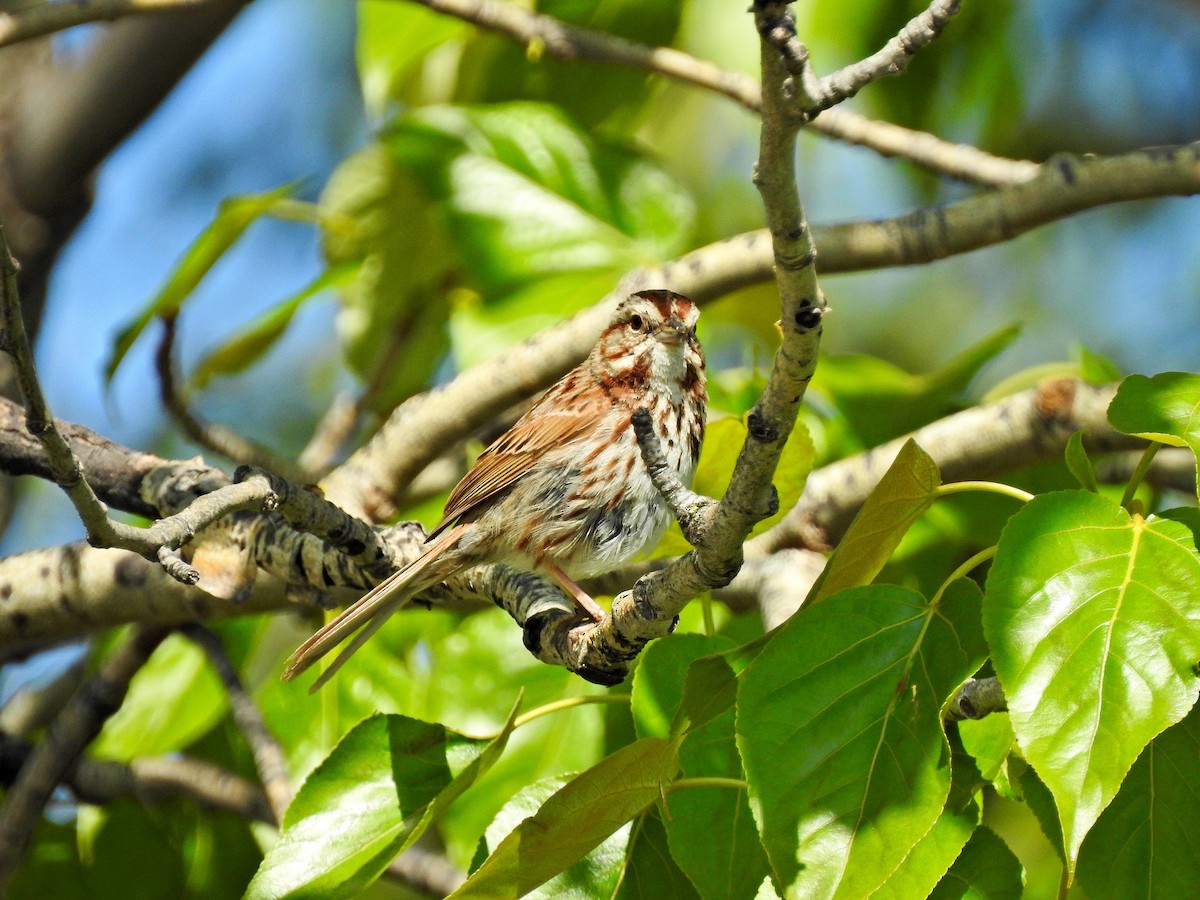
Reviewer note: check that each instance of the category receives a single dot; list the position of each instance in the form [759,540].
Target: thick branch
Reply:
[976,699]
[983,441]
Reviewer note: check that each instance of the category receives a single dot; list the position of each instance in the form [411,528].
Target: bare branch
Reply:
[692,511]
[148,780]
[979,442]
[79,723]
[976,699]
[269,757]
[564,41]
[892,59]
[212,435]
[46,18]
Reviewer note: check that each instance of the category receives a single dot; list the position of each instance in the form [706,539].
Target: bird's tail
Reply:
[376,606]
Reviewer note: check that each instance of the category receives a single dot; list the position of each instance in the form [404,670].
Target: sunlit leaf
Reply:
[234,216]
[383,785]
[986,870]
[1164,408]
[574,820]
[1147,843]
[248,344]
[839,724]
[904,492]
[173,699]
[1094,625]
[394,40]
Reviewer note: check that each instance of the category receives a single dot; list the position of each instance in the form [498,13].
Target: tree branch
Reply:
[1028,427]
[47,18]
[567,42]
[976,699]
[76,727]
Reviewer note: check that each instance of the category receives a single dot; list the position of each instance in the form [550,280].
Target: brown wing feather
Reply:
[550,423]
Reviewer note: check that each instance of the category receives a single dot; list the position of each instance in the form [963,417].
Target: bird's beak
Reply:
[672,331]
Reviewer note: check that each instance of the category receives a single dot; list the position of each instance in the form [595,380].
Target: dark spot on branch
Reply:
[760,429]
[20,621]
[130,572]
[603,677]
[5,591]
[1066,168]
[808,318]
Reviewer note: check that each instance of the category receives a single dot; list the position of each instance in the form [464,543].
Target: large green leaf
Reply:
[1093,621]
[393,41]
[934,853]
[735,865]
[173,700]
[1164,408]
[234,216]
[839,725]
[903,494]
[1147,843]
[527,194]
[383,785]
[650,871]
[986,870]
[574,820]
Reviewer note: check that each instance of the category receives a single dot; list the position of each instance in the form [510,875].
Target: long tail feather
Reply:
[376,606]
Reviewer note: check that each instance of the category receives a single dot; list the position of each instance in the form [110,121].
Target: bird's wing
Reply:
[553,421]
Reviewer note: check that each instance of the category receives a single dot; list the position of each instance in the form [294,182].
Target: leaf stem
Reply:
[706,607]
[992,487]
[1139,473]
[568,703]
[981,557]
[708,781]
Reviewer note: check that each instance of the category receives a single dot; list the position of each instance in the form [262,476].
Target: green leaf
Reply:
[393,42]
[1079,464]
[881,401]
[575,820]
[173,700]
[650,871]
[379,790]
[839,725]
[906,490]
[1094,625]
[393,318]
[934,853]
[1147,843]
[527,194]
[710,686]
[723,440]
[659,678]
[736,865]
[1096,368]
[986,870]
[249,343]
[990,740]
[234,216]
[1165,408]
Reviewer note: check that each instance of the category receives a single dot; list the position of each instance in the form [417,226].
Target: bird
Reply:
[565,490]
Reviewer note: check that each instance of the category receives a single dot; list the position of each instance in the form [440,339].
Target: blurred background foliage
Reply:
[471,192]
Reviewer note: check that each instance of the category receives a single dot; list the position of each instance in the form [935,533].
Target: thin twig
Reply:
[67,471]
[212,435]
[692,511]
[892,59]
[269,757]
[976,699]
[78,724]
[41,19]
[331,435]
[32,708]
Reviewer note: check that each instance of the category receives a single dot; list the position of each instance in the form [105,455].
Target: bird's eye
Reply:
[637,323]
